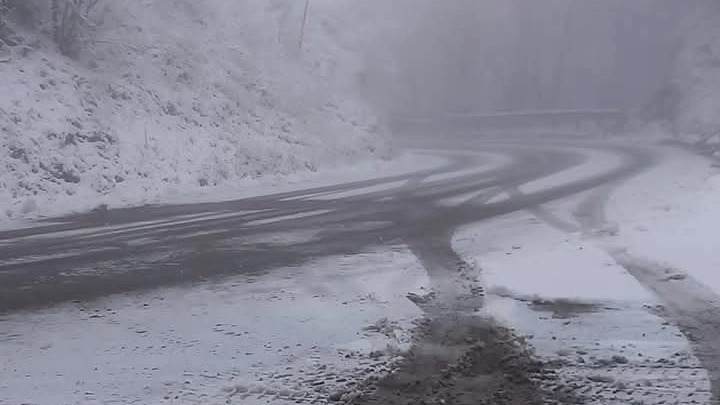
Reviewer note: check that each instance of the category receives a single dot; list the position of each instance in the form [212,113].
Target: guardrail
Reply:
[597,120]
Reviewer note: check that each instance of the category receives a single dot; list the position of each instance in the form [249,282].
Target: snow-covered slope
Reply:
[171,94]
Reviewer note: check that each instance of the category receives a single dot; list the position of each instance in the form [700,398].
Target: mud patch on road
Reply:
[463,360]
[563,308]
[458,357]
[560,308]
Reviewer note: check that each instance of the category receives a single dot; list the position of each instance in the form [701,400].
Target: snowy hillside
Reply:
[170,94]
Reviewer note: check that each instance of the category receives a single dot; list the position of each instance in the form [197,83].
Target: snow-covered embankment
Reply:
[166,96]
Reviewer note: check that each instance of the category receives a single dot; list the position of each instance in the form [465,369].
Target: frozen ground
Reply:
[558,274]
[174,95]
[297,335]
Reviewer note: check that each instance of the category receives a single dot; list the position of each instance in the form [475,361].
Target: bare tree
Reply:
[4,12]
[55,15]
[70,22]
[5,32]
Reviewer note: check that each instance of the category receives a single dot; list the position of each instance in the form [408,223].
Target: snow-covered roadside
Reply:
[670,215]
[581,312]
[565,288]
[128,195]
[297,335]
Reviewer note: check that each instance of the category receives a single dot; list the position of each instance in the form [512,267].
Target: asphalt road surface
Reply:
[100,253]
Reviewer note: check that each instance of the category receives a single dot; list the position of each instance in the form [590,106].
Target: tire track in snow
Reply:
[688,304]
[691,306]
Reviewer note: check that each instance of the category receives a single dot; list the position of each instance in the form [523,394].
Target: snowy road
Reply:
[96,254]
[313,295]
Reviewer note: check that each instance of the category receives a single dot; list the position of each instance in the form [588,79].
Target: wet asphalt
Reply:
[91,255]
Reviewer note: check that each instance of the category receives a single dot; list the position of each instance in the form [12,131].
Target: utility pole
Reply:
[304,23]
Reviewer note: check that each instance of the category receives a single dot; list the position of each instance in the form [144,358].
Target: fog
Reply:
[495,55]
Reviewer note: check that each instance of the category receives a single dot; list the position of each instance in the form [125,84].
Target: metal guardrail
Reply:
[598,120]
[543,113]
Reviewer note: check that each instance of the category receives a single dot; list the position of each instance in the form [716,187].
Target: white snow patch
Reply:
[597,162]
[670,215]
[526,258]
[286,217]
[361,191]
[498,198]
[486,162]
[55,256]
[284,238]
[271,334]
[96,231]
[459,199]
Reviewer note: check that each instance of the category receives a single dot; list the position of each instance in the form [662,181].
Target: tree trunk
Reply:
[55,11]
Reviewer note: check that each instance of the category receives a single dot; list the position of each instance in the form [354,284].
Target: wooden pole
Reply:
[304,23]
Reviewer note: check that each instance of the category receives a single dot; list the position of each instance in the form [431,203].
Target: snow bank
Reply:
[669,216]
[524,258]
[170,95]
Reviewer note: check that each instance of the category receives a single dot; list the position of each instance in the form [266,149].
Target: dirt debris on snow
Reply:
[563,308]
[463,359]
[633,356]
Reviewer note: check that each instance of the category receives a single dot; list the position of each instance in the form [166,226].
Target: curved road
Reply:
[91,255]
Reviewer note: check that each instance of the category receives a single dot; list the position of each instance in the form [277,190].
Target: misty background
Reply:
[498,55]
